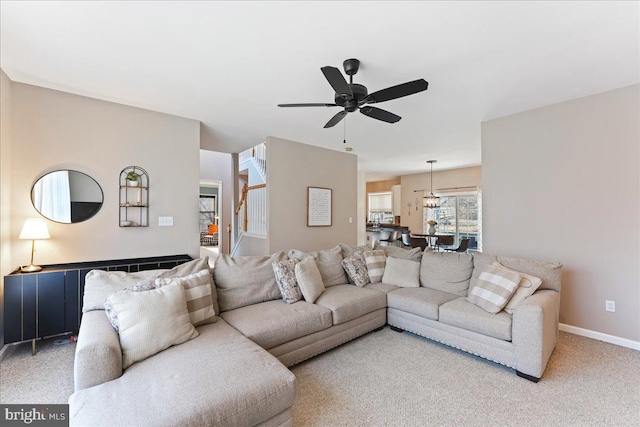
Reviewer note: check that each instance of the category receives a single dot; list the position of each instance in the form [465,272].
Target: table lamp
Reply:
[33,229]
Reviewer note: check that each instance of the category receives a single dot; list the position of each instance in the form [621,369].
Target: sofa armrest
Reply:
[98,356]
[535,331]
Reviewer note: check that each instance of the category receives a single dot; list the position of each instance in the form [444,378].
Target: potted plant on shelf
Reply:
[132,179]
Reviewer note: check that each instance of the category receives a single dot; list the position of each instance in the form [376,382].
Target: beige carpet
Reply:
[391,379]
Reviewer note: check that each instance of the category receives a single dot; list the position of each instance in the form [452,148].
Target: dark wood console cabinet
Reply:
[49,302]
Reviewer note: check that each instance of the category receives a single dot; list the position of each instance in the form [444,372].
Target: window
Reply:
[459,215]
[208,207]
[381,207]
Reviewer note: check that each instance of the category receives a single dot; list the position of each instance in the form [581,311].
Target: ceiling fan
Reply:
[352,96]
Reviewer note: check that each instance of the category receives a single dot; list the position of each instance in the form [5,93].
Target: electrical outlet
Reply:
[165,221]
[610,306]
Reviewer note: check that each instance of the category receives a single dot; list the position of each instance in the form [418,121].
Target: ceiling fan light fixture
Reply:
[431,201]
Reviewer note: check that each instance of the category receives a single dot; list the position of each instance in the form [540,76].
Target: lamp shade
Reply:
[34,229]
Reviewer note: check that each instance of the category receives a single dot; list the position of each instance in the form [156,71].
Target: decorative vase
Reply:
[432,229]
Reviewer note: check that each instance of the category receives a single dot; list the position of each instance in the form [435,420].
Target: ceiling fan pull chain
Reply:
[344,133]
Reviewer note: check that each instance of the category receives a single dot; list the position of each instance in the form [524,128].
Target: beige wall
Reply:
[56,130]
[216,166]
[6,264]
[291,168]
[562,183]
[451,178]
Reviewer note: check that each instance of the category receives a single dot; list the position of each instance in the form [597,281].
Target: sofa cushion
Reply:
[151,321]
[356,268]
[285,272]
[272,323]
[382,287]
[549,272]
[329,262]
[348,302]
[404,273]
[219,379]
[376,261]
[100,284]
[527,286]
[423,302]
[446,271]
[463,314]
[309,279]
[414,254]
[246,280]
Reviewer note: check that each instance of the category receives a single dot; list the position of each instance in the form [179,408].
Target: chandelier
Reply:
[431,201]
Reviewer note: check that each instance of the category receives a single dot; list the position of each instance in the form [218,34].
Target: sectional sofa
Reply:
[234,373]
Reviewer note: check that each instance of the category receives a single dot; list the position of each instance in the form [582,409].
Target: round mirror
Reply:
[67,196]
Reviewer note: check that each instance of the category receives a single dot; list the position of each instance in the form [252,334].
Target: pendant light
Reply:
[431,201]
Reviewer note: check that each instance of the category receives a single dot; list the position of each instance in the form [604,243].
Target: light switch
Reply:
[165,221]
[350,220]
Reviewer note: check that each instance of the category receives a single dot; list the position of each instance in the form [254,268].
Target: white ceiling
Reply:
[228,64]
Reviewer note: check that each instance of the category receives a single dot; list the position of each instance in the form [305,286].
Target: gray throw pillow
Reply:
[356,268]
[285,272]
[414,254]
[446,271]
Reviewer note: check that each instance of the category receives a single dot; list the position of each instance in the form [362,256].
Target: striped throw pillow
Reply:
[494,288]
[197,289]
[376,261]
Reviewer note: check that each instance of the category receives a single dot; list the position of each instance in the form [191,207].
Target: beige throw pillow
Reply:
[494,288]
[527,286]
[376,261]
[402,272]
[151,321]
[309,280]
[197,291]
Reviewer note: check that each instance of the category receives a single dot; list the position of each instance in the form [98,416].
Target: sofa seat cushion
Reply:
[272,323]
[463,314]
[348,302]
[382,287]
[422,302]
[220,378]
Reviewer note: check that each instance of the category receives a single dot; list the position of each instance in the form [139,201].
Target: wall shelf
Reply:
[134,199]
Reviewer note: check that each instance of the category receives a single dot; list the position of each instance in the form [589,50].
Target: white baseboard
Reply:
[635,345]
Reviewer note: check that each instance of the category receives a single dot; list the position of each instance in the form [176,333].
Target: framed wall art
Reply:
[318,207]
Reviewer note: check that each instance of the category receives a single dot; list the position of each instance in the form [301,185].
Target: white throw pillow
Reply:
[309,279]
[401,272]
[527,286]
[151,321]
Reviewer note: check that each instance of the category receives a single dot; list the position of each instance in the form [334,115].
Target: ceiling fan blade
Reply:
[337,81]
[335,119]
[307,105]
[379,114]
[398,91]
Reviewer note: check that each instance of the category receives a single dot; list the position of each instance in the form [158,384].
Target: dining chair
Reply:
[418,242]
[464,245]
[406,240]
[393,238]
[444,242]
